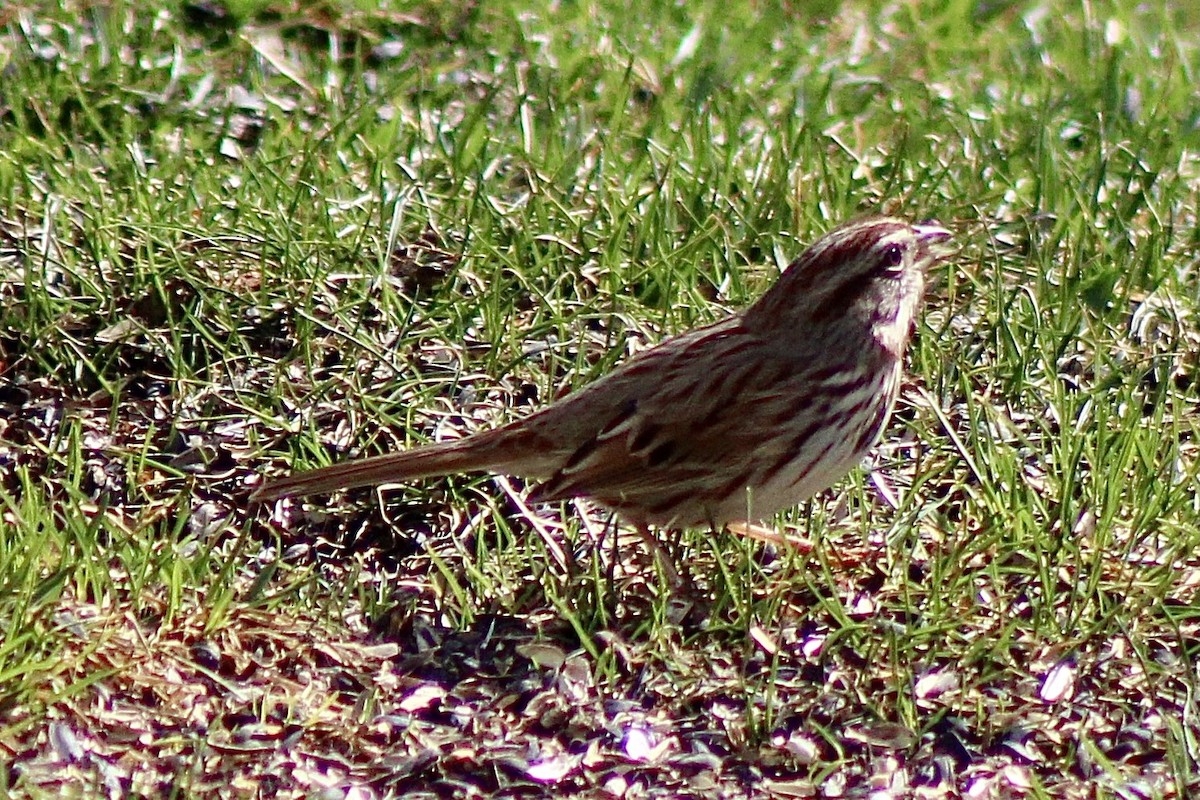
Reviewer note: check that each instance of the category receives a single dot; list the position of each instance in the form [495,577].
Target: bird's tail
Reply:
[474,454]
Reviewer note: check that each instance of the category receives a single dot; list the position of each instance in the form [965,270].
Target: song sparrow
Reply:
[726,423]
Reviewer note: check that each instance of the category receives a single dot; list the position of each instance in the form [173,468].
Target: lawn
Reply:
[242,239]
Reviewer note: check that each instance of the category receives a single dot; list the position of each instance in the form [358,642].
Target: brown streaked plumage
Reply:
[730,422]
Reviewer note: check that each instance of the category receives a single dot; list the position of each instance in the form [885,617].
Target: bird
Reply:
[728,423]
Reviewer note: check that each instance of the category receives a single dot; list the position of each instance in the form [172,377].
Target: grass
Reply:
[274,240]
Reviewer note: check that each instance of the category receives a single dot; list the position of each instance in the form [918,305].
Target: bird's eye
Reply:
[893,257]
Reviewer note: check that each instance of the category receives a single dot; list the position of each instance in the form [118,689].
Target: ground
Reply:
[242,239]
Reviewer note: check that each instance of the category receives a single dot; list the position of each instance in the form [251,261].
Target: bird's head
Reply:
[865,276]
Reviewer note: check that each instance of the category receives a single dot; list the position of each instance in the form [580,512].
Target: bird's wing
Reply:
[674,428]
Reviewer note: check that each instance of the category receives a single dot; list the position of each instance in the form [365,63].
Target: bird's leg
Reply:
[614,527]
[761,533]
[660,555]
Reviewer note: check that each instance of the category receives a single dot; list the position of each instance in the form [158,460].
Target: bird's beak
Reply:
[930,232]
[932,238]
